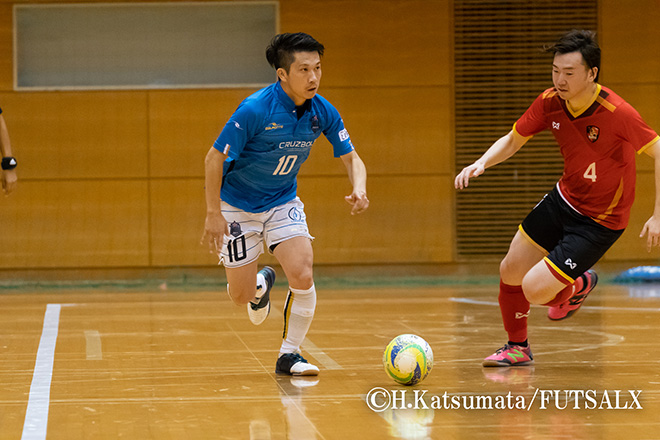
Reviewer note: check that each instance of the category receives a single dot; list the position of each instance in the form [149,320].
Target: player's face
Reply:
[304,77]
[572,78]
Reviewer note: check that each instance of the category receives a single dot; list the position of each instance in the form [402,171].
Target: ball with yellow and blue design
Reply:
[408,359]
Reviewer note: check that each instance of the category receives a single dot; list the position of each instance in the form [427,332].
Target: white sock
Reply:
[298,315]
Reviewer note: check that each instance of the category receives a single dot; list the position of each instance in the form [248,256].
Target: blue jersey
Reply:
[266,143]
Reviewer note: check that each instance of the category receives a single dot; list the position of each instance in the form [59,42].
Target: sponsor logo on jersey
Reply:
[520,315]
[296,144]
[555,125]
[315,124]
[592,133]
[237,125]
[273,126]
[343,135]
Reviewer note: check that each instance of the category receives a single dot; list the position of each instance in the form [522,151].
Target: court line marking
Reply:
[301,410]
[611,339]
[319,355]
[493,303]
[36,415]
[93,347]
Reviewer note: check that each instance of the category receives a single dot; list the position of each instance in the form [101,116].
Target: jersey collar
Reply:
[286,101]
[284,98]
[589,103]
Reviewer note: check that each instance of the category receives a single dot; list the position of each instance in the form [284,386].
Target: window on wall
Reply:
[499,69]
[143,45]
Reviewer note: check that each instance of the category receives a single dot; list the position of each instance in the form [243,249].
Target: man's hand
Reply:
[9,180]
[358,201]
[463,178]
[215,228]
[652,228]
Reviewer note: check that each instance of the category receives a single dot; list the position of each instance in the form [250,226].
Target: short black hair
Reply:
[280,52]
[577,40]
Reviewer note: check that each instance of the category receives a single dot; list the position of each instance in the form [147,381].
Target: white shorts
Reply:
[249,230]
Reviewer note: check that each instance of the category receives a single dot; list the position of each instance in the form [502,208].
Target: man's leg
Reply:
[247,286]
[241,283]
[522,256]
[296,257]
[514,306]
[527,278]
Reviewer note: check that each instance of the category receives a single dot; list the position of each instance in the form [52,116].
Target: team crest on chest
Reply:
[235,229]
[592,133]
[315,124]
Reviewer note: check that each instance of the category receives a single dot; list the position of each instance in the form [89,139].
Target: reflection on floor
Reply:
[189,365]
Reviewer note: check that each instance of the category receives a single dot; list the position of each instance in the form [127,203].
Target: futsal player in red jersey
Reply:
[550,258]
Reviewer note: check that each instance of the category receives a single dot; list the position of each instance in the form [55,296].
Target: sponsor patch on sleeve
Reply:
[343,135]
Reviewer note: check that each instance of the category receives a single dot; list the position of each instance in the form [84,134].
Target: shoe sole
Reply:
[506,364]
[304,373]
[252,313]
[568,315]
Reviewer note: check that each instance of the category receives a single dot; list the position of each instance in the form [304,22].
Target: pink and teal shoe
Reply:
[572,304]
[510,355]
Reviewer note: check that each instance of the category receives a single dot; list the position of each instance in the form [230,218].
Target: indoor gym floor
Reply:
[175,364]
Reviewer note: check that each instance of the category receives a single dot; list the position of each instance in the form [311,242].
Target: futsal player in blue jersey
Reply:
[251,199]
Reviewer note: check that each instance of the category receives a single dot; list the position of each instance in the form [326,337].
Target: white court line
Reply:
[611,339]
[320,356]
[314,351]
[93,349]
[36,415]
[619,309]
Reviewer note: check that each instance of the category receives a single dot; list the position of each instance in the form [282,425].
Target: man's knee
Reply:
[241,294]
[301,276]
[540,288]
[531,290]
[510,273]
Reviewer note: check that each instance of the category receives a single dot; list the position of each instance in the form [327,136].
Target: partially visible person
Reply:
[9,179]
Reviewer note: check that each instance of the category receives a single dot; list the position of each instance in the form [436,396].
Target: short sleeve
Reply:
[533,121]
[238,130]
[635,130]
[335,131]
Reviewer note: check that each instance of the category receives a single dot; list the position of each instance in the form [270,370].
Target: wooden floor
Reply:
[189,365]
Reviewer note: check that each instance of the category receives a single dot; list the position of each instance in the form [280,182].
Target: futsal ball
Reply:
[408,359]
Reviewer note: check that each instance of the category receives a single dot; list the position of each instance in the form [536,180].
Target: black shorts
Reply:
[573,242]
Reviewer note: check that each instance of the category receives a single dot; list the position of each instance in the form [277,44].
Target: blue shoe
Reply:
[259,312]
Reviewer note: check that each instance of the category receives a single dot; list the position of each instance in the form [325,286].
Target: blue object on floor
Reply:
[641,274]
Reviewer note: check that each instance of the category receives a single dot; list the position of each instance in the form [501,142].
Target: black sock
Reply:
[522,344]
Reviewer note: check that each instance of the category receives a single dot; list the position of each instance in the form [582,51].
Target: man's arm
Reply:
[8,176]
[215,225]
[357,174]
[652,226]
[501,150]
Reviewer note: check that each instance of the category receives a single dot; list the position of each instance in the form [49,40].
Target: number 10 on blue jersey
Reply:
[285,165]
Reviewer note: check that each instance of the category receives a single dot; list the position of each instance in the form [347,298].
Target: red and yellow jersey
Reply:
[598,144]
